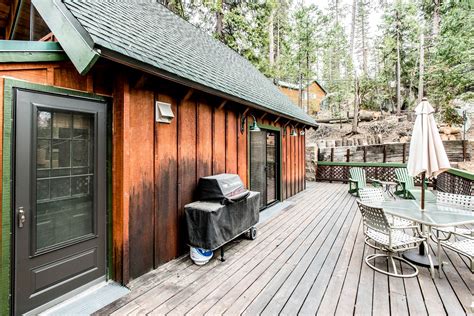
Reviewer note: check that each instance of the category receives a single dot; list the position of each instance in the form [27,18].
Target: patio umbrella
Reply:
[427,154]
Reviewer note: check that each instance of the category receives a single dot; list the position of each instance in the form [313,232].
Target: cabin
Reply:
[109,116]
[307,96]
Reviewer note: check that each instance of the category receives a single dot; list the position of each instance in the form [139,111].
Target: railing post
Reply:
[332,167]
[404,152]
[384,154]
[365,154]
[464,150]
[348,154]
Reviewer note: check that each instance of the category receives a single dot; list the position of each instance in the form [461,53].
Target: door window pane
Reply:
[271,167]
[257,165]
[64,177]
[62,125]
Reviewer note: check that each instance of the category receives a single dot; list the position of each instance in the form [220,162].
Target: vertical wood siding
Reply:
[156,166]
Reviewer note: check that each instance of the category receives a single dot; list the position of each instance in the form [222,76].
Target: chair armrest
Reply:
[352,180]
[375,181]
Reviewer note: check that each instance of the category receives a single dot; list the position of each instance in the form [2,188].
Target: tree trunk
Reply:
[422,66]
[355,121]
[219,20]
[364,43]
[271,39]
[399,98]
[436,18]
[353,24]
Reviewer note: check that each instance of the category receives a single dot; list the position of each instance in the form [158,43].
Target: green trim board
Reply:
[6,248]
[7,177]
[30,46]
[362,164]
[73,37]
[462,173]
[28,51]
[457,172]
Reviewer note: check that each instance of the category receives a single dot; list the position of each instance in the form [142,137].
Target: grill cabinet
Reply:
[225,211]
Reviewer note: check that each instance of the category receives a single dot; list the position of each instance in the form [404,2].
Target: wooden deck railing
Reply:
[452,181]
[456,181]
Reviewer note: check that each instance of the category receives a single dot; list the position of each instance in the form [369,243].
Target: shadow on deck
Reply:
[306,260]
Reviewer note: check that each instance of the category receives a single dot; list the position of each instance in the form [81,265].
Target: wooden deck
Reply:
[307,260]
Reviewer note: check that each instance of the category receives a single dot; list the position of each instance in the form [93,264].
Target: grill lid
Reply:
[225,188]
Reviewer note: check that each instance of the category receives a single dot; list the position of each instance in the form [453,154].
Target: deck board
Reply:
[306,260]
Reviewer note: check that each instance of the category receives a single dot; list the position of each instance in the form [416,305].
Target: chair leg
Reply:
[396,273]
[432,269]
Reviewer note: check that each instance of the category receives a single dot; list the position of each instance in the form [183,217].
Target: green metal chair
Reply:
[406,185]
[358,180]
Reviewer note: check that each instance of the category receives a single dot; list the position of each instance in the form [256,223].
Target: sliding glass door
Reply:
[264,165]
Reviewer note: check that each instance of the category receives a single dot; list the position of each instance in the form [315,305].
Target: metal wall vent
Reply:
[163,112]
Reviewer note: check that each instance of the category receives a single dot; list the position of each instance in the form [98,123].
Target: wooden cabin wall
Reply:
[155,167]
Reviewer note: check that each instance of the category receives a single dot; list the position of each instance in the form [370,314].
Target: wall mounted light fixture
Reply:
[252,128]
[293,132]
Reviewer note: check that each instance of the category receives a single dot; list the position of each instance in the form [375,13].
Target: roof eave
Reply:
[74,39]
[139,65]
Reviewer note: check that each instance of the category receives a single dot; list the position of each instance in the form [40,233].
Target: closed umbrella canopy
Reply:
[427,153]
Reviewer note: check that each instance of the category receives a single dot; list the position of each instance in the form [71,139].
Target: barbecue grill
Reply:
[225,210]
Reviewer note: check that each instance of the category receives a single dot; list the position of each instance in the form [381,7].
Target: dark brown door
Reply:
[60,191]
[264,165]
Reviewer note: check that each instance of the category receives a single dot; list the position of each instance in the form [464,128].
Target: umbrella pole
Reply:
[423,177]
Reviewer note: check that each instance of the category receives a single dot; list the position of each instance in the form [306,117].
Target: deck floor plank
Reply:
[221,304]
[190,303]
[266,294]
[308,259]
[315,295]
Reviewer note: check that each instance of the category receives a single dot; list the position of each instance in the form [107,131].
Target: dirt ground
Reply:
[392,129]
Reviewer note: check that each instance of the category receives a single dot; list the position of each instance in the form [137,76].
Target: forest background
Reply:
[368,54]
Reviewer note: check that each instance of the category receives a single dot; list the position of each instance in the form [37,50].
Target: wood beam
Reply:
[263,116]
[188,95]
[277,119]
[222,104]
[12,17]
[139,81]
[245,111]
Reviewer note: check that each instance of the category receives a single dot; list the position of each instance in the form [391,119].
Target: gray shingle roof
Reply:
[148,32]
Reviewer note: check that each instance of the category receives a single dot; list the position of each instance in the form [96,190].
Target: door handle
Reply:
[21,217]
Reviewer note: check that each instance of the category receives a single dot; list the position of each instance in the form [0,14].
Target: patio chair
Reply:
[376,195]
[357,180]
[463,244]
[458,200]
[406,184]
[390,240]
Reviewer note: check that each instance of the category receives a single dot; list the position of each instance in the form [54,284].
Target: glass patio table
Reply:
[434,215]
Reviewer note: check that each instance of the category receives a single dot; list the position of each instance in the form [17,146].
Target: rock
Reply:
[444,137]
[379,139]
[404,139]
[402,133]
[330,143]
[366,116]
[451,137]
[455,130]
